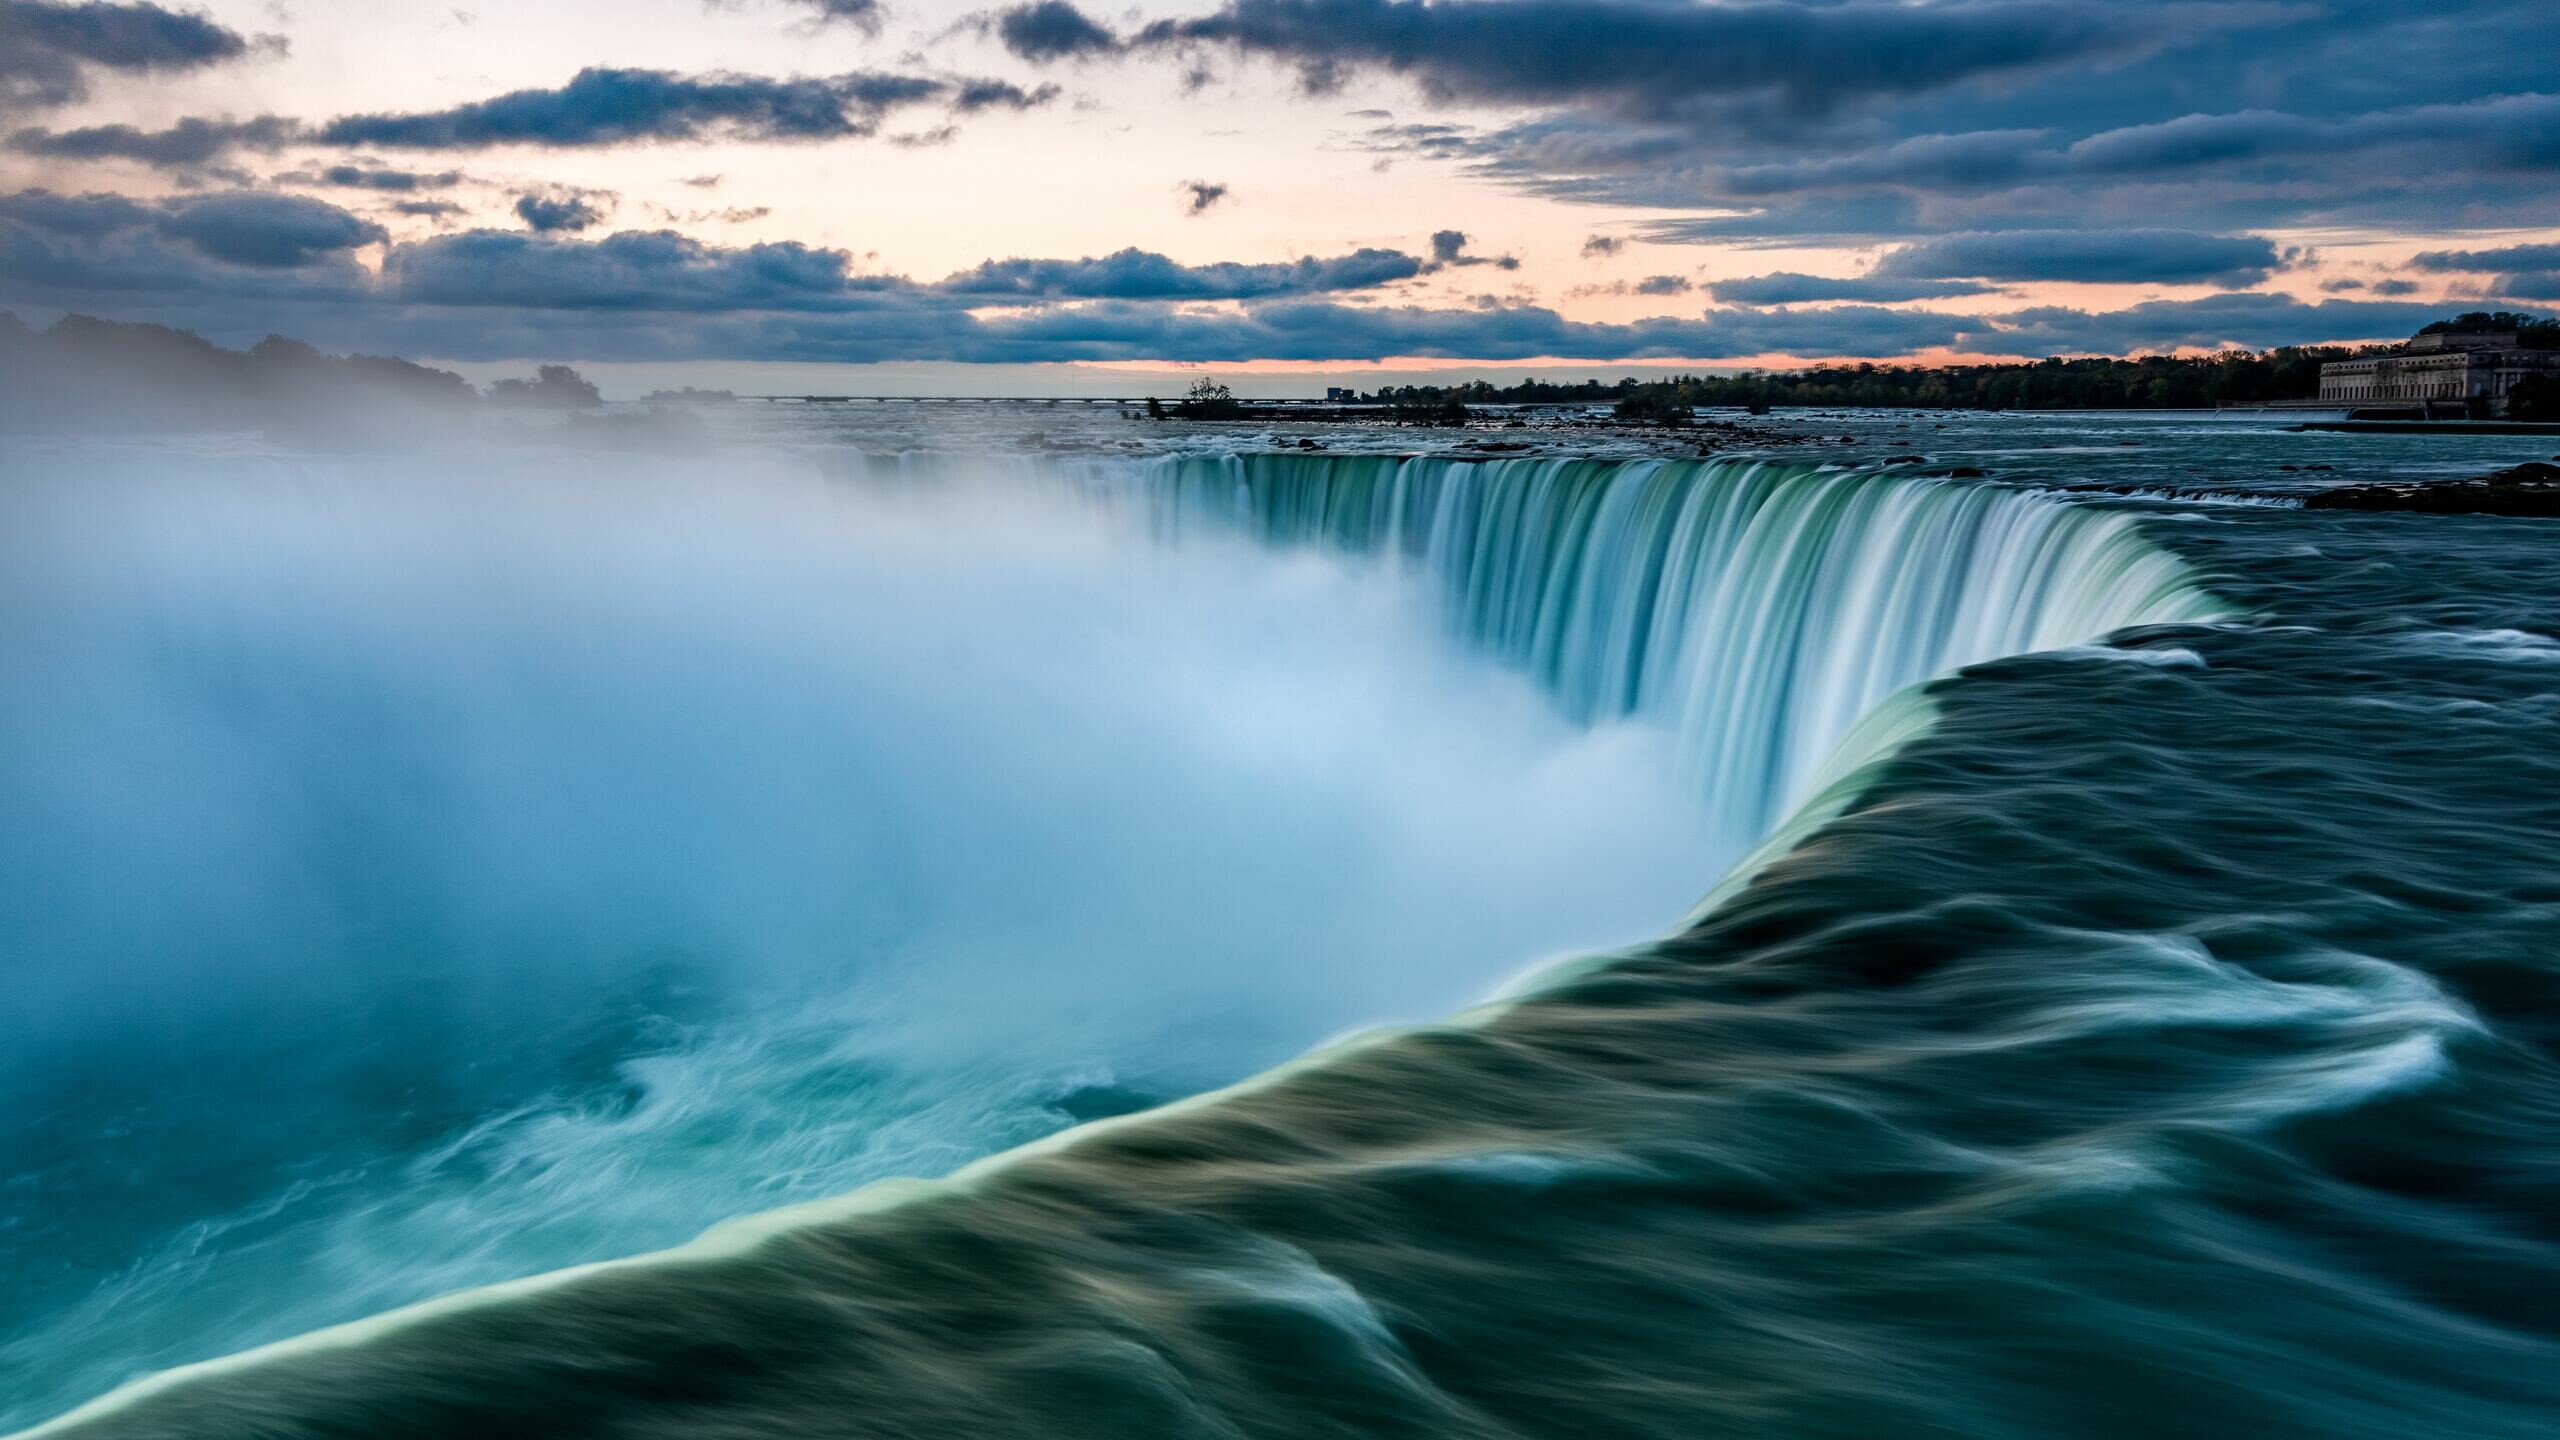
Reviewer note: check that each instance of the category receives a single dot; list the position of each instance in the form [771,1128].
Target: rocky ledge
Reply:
[2532,488]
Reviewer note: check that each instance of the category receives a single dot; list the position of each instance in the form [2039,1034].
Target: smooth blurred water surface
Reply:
[423,873]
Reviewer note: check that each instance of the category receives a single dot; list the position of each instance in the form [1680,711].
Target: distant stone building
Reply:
[2469,374]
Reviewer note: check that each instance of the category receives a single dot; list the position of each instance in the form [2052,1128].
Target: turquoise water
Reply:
[2159,1037]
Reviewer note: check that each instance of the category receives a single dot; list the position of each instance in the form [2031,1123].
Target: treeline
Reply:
[1485,392]
[2148,382]
[2532,332]
[86,373]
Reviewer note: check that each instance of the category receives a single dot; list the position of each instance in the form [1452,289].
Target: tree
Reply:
[2532,332]
[1656,405]
[1429,405]
[553,387]
[1209,400]
[2535,397]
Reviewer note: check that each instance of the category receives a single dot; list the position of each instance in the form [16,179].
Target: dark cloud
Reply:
[1789,288]
[664,270]
[898,330]
[233,251]
[373,177]
[1649,58]
[2504,257]
[2252,321]
[558,211]
[241,264]
[615,107]
[1602,246]
[1449,251]
[48,49]
[1053,30]
[863,15]
[639,295]
[426,209]
[2384,288]
[1143,275]
[655,270]
[238,244]
[1199,195]
[2227,117]
[2167,257]
[85,216]
[972,96]
[267,232]
[2512,132]
[188,145]
[1651,285]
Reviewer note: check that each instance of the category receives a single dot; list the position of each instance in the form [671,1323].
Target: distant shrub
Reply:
[1209,400]
[553,387]
[1656,405]
[1429,407]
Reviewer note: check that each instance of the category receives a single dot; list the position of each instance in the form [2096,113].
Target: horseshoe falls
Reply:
[843,932]
[1755,610]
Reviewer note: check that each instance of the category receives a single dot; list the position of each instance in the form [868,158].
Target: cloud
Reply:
[426,209]
[2145,256]
[732,215]
[1852,143]
[972,96]
[634,270]
[556,211]
[48,49]
[240,264]
[222,243]
[641,295]
[863,15]
[1602,246]
[616,107]
[2253,321]
[1449,251]
[1645,58]
[2524,272]
[189,144]
[1199,195]
[1787,287]
[1653,285]
[2505,257]
[1143,275]
[373,177]
[1053,30]
[265,231]
[2514,130]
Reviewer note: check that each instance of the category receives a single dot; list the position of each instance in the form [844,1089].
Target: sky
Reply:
[902,196]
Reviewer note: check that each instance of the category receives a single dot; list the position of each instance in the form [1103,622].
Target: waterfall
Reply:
[1758,609]
[1771,617]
